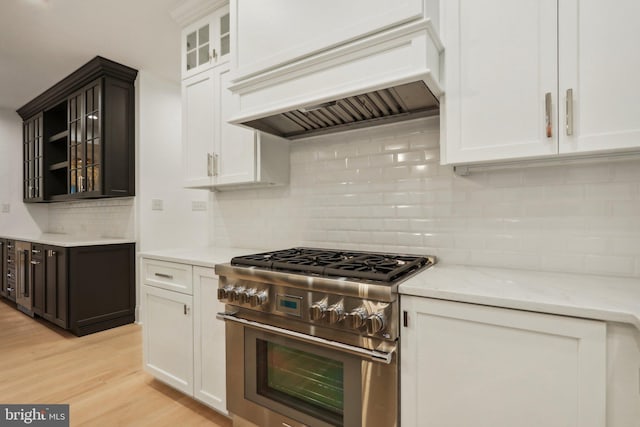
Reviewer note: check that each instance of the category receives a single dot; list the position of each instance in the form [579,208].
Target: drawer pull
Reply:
[164,276]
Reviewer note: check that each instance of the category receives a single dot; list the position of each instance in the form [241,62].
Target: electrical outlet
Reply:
[6,207]
[198,205]
[157,205]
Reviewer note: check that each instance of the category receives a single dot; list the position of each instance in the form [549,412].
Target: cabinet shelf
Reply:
[60,136]
[59,165]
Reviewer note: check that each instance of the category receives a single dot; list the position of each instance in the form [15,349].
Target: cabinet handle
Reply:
[166,276]
[214,54]
[51,253]
[215,164]
[35,262]
[35,251]
[186,309]
[547,114]
[209,164]
[569,112]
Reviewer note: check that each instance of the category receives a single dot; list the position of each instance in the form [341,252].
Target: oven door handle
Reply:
[376,356]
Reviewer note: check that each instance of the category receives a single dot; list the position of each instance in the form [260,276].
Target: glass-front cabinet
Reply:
[206,43]
[81,143]
[84,140]
[32,149]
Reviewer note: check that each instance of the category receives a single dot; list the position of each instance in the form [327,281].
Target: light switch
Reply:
[157,205]
[198,205]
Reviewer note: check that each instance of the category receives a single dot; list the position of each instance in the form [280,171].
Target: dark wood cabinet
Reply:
[101,291]
[32,149]
[79,136]
[84,289]
[50,284]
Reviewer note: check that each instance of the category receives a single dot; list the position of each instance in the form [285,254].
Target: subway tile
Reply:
[614,265]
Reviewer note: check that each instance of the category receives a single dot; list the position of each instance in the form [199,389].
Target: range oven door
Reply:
[279,378]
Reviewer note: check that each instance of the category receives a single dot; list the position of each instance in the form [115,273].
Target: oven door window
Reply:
[313,384]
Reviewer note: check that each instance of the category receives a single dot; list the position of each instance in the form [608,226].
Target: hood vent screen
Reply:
[397,103]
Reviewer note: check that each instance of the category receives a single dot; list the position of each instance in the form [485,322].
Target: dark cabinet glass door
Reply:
[32,157]
[85,139]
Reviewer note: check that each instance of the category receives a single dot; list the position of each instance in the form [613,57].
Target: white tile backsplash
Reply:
[384,189]
[94,218]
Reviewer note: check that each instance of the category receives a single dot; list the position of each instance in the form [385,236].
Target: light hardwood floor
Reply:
[100,376]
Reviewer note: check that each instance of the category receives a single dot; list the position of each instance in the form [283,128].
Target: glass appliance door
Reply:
[307,382]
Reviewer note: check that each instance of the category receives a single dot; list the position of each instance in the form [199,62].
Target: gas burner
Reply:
[325,262]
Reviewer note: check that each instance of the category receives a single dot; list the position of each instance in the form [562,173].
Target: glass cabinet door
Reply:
[206,43]
[85,149]
[32,158]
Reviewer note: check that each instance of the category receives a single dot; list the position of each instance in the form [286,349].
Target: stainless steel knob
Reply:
[375,323]
[336,313]
[224,293]
[317,310]
[245,296]
[235,293]
[357,318]
[259,298]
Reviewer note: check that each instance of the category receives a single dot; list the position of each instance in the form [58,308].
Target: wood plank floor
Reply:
[100,376]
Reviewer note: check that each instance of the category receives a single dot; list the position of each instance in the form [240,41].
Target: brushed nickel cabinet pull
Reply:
[165,276]
[215,164]
[569,112]
[209,164]
[547,115]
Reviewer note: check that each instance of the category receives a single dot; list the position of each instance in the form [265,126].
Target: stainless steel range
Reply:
[311,336]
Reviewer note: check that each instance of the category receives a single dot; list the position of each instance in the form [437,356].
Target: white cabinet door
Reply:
[599,62]
[198,128]
[205,43]
[471,365]
[236,155]
[501,61]
[273,33]
[168,337]
[210,363]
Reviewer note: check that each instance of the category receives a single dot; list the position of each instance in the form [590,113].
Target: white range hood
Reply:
[389,76]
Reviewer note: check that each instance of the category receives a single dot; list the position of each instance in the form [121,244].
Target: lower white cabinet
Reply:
[472,365]
[168,337]
[209,344]
[184,344]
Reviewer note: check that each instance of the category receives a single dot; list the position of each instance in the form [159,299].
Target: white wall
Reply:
[383,189]
[160,171]
[21,218]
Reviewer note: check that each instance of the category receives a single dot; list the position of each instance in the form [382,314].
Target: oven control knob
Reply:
[234,294]
[375,323]
[258,298]
[245,296]
[336,313]
[317,310]
[357,318]
[224,293]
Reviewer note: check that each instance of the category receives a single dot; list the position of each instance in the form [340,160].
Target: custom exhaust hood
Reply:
[389,77]
[396,103]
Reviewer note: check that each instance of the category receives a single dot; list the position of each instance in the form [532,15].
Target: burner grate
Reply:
[324,262]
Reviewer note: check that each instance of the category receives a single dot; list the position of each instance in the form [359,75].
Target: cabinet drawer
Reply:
[168,275]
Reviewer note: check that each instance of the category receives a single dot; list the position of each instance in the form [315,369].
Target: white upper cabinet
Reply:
[510,66]
[599,63]
[221,155]
[206,43]
[500,63]
[276,32]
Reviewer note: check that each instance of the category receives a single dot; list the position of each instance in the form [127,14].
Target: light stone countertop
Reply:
[203,257]
[65,240]
[614,299]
